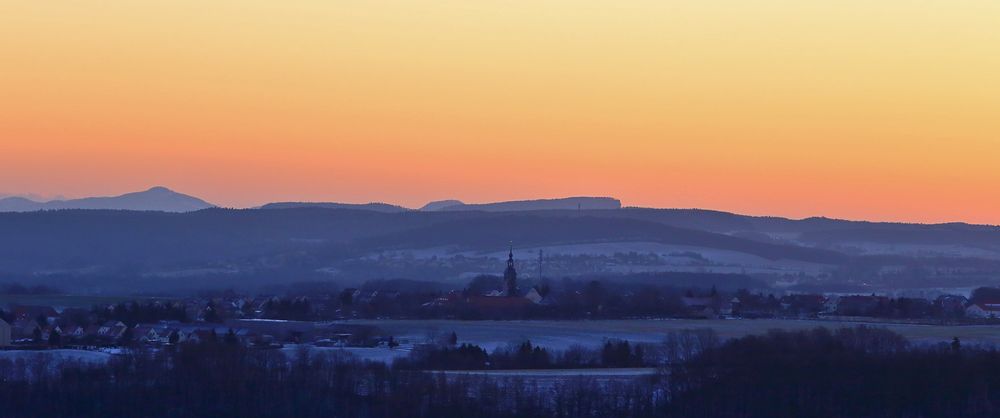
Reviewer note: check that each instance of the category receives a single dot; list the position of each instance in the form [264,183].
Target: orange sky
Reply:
[882,110]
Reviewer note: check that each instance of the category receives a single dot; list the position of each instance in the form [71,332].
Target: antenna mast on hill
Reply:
[539,264]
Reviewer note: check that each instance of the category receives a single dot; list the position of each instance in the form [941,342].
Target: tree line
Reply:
[852,372]
[525,355]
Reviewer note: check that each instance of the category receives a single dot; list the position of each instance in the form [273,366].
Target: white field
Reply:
[378,354]
[57,356]
[924,250]
[563,334]
[721,260]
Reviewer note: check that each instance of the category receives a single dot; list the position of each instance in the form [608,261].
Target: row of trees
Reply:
[525,355]
[132,313]
[227,380]
[567,299]
[860,372]
[20,289]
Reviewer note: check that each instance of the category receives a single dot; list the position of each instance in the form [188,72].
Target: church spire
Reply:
[510,275]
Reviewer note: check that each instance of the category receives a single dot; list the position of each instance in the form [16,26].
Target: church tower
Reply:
[510,275]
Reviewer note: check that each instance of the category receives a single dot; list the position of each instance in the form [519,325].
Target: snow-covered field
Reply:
[563,334]
[57,356]
[42,362]
[671,255]
[923,250]
[383,354]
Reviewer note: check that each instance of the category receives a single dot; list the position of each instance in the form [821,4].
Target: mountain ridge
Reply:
[156,198]
[372,206]
[159,198]
[94,247]
[564,203]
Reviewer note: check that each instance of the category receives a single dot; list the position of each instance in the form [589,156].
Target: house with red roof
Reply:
[984,309]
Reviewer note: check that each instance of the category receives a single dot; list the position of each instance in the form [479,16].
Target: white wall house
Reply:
[983,310]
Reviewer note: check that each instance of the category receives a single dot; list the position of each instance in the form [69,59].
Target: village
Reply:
[270,321]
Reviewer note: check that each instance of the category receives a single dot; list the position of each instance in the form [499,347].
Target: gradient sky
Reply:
[881,110]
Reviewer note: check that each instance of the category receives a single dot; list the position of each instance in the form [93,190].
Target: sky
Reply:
[858,109]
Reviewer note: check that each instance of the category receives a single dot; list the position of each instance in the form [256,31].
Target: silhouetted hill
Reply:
[315,243]
[378,207]
[68,239]
[538,229]
[588,203]
[77,239]
[441,204]
[18,204]
[813,230]
[943,234]
[569,203]
[154,199]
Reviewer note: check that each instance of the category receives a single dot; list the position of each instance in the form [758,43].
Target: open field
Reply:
[562,334]
[57,355]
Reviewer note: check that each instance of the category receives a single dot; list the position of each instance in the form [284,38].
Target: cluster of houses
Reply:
[494,300]
[44,325]
[246,320]
[747,305]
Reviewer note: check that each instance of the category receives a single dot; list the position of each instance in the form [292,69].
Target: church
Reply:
[510,276]
[510,283]
[501,303]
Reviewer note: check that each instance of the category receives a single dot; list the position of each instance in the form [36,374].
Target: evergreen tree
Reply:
[54,339]
[211,315]
[128,336]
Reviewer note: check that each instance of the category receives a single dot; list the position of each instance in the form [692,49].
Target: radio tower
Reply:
[539,264]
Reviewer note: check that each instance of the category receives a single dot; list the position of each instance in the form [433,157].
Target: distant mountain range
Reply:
[138,245]
[128,249]
[165,200]
[155,199]
[569,203]
[377,207]
[441,204]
